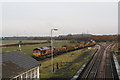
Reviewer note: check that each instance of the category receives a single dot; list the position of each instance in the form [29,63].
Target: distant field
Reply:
[29,48]
[17,41]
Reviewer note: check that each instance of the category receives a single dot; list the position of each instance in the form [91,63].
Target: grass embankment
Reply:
[117,52]
[29,48]
[65,65]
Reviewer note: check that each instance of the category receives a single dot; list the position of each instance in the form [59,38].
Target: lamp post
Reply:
[52,66]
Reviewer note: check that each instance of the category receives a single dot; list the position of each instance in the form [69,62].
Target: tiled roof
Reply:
[16,62]
[11,70]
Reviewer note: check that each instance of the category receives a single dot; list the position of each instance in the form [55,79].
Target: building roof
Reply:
[16,62]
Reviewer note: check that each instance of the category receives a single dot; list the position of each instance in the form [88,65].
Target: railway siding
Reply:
[101,66]
[75,77]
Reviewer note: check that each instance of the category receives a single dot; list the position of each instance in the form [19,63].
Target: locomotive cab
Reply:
[37,52]
[42,51]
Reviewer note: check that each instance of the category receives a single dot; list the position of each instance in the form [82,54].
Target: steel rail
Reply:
[91,64]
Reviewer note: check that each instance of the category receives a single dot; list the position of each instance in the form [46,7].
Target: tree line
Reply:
[98,38]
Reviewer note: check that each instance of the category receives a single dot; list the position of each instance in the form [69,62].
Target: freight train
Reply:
[43,52]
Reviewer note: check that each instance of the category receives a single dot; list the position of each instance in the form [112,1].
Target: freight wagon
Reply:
[45,52]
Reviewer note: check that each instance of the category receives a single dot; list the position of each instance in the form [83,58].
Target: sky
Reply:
[38,18]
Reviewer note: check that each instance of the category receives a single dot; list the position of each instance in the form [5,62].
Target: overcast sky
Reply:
[25,18]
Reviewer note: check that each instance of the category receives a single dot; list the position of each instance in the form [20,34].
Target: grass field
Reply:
[67,64]
[29,48]
[17,41]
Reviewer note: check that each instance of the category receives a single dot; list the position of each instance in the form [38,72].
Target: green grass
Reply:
[115,49]
[67,67]
[29,48]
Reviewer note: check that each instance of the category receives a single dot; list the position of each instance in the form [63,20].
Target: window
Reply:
[39,51]
[32,73]
[35,73]
[28,75]
[18,78]
[34,51]
[24,76]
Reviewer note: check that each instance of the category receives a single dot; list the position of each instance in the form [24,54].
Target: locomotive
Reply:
[46,51]
[42,51]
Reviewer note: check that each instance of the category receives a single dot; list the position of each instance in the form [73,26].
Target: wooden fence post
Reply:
[57,66]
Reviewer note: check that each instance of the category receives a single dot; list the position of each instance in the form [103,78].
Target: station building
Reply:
[17,65]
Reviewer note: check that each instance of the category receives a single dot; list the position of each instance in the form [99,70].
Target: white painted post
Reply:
[38,74]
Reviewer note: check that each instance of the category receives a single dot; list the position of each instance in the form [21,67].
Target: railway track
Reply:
[101,66]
